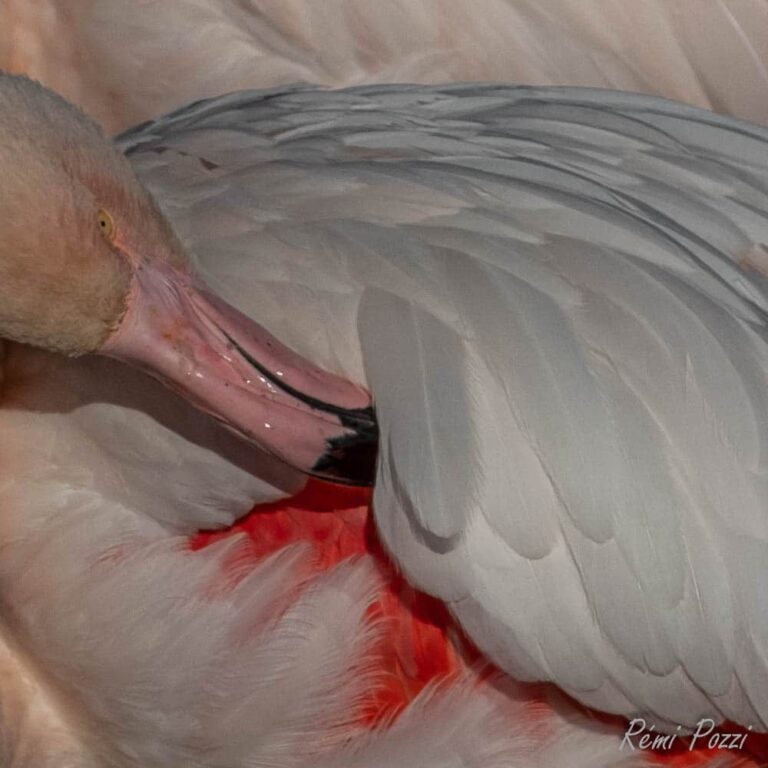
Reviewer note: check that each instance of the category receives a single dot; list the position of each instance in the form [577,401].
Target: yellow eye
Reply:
[106,224]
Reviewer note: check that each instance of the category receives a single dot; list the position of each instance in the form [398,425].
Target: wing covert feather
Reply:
[558,298]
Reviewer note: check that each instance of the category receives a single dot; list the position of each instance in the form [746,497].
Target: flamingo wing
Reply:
[121,642]
[558,299]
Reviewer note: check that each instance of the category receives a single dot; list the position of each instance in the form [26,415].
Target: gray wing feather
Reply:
[558,298]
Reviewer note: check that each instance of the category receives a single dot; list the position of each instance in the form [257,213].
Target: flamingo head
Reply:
[89,264]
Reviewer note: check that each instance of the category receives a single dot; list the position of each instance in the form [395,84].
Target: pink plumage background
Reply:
[125,62]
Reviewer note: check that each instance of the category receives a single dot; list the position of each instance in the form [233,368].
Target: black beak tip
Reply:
[351,459]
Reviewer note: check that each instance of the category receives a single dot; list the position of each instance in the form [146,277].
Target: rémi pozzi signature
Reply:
[639,736]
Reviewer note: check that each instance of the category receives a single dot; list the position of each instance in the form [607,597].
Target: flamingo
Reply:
[616,235]
[125,62]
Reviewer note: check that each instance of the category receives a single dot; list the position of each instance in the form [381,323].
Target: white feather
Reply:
[489,226]
[131,61]
[565,350]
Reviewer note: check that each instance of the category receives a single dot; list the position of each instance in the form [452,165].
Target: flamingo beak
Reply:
[232,368]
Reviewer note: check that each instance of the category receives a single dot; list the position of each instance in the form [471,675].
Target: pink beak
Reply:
[230,367]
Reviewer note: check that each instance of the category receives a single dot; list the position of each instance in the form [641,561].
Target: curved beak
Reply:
[232,368]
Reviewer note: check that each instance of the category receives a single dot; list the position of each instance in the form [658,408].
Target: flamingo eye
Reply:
[106,224]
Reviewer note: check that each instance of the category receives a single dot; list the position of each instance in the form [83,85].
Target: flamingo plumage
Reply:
[129,62]
[560,196]
[271,643]
[689,82]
